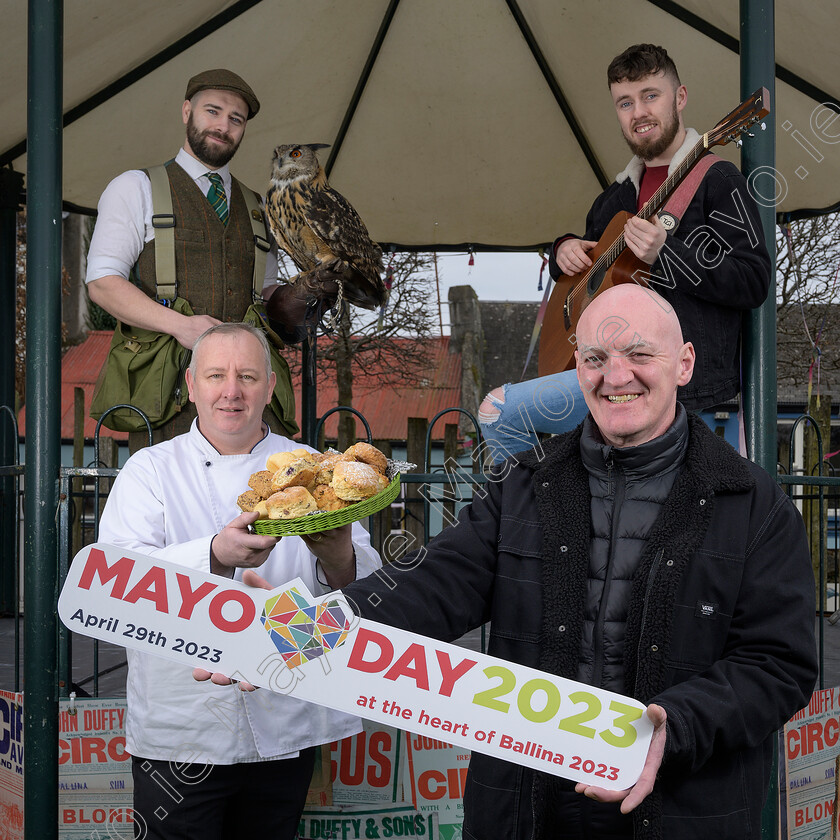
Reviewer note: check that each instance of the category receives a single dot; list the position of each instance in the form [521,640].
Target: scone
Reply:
[299,473]
[260,482]
[368,454]
[249,500]
[354,481]
[326,465]
[290,503]
[282,459]
[326,499]
[261,510]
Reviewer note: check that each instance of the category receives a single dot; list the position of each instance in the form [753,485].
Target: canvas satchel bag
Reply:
[145,369]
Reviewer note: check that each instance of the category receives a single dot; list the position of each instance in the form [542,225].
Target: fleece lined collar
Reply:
[713,463]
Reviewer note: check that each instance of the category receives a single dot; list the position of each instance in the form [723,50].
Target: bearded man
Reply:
[712,265]
[215,243]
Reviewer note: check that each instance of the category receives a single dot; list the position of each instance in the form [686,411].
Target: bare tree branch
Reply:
[807,294]
[364,342]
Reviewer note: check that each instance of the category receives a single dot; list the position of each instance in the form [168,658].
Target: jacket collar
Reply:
[654,457]
[636,167]
[712,463]
[208,450]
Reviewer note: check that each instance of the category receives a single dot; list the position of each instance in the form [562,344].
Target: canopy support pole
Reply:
[758,161]
[43,433]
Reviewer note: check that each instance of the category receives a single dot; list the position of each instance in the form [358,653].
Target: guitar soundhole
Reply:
[593,282]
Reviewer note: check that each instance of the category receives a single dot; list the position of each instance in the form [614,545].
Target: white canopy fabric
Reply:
[457,138]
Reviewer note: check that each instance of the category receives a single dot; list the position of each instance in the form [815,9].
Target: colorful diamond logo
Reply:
[302,631]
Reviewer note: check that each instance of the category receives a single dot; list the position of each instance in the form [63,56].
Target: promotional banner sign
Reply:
[363,822]
[366,769]
[317,650]
[11,765]
[810,773]
[94,770]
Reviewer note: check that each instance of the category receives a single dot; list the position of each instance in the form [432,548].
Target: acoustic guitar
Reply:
[612,261]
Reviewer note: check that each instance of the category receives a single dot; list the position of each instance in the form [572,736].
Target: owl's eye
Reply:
[295,153]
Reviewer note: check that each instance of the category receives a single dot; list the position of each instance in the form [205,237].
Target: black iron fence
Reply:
[431,495]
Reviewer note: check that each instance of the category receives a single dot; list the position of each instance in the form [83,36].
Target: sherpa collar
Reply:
[711,460]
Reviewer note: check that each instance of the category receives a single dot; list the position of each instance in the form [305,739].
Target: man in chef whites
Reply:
[212,762]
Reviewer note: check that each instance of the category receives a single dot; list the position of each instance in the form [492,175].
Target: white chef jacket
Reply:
[124,221]
[169,501]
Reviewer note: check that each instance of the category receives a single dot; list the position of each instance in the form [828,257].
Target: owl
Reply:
[318,228]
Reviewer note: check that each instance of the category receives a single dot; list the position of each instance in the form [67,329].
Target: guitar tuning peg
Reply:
[739,142]
[763,127]
[750,134]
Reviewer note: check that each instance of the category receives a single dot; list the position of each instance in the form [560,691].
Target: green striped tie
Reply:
[216,196]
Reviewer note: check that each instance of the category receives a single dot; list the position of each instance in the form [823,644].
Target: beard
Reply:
[649,150]
[211,154]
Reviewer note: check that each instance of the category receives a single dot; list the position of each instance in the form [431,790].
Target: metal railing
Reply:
[83,491]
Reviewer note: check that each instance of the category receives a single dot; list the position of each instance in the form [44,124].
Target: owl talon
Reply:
[334,265]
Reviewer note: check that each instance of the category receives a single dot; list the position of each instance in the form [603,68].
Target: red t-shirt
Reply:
[652,179]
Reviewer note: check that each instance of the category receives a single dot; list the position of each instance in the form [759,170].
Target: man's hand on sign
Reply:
[236,547]
[250,578]
[633,796]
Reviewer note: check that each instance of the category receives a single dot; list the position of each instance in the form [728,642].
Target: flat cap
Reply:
[224,80]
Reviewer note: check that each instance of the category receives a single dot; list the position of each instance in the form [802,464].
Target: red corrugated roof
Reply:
[80,368]
[386,410]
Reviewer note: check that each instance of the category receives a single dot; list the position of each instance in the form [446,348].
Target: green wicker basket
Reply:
[314,522]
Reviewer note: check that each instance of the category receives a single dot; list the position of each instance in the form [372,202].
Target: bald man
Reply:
[642,555]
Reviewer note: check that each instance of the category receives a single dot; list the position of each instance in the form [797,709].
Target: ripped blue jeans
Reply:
[510,417]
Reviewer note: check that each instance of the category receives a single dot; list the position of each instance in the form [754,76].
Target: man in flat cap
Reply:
[219,243]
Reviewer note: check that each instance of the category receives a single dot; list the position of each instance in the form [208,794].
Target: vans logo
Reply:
[706,609]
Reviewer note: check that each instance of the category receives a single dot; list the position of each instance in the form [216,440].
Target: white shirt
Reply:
[169,501]
[124,221]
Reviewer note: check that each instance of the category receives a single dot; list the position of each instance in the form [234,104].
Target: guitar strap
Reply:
[677,204]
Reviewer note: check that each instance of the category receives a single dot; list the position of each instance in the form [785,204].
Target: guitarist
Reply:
[710,278]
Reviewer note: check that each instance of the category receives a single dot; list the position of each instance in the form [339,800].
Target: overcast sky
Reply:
[493,276]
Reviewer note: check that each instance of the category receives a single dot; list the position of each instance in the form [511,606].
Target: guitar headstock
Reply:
[739,121]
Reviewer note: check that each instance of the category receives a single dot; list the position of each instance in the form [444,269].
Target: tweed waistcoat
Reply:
[214,263]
